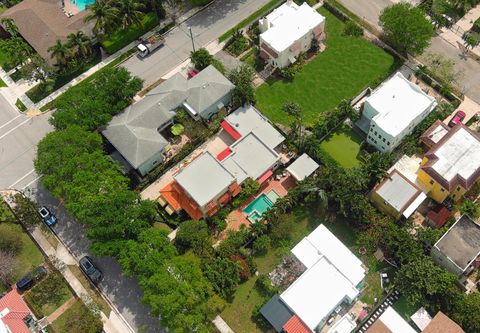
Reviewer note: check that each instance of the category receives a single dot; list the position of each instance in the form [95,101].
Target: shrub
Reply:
[264,286]
[201,58]
[352,29]
[261,245]
[239,43]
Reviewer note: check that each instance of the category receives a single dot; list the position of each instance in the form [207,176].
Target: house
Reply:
[330,283]
[42,22]
[15,316]
[397,196]
[458,249]
[390,322]
[302,167]
[288,31]
[442,324]
[392,111]
[136,132]
[452,165]
[438,216]
[208,183]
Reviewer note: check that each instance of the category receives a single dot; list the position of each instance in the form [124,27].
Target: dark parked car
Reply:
[25,283]
[47,216]
[457,118]
[90,270]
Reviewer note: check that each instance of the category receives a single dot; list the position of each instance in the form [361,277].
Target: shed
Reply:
[302,167]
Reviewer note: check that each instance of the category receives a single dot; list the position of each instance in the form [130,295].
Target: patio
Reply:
[281,186]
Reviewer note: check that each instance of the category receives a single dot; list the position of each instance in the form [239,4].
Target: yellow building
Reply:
[397,196]
[452,165]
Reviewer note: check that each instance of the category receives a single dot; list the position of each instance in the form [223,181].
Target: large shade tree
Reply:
[406,28]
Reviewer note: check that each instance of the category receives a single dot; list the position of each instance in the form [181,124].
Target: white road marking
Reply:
[33,181]
[13,129]
[20,179]
[8,122]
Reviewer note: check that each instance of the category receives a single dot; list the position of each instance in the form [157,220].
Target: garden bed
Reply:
[346,67]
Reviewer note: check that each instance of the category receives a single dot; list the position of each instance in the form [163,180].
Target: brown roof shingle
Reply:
[42,22]
[442,324]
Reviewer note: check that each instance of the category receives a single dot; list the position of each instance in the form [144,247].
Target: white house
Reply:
[393,110]
[332,281]
[288,31]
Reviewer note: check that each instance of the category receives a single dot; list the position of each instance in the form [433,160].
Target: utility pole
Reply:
[191,37]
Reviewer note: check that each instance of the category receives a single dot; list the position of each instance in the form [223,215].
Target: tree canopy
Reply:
[406,28]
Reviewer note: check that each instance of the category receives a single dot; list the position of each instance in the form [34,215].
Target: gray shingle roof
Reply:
[134,132]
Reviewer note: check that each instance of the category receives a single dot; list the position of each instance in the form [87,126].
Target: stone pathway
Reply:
[58,312]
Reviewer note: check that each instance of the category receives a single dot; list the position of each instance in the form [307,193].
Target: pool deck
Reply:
[237,218]
[70,7]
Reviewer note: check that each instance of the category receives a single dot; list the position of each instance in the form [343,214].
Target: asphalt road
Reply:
[19,136]
[469,81]
[206,26]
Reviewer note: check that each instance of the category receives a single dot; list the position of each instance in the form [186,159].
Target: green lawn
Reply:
[238,313]
[77,319]
[404,308]
[20,105]
[348,65]
[30,256]
[49,294]
[2,83]
[343,146]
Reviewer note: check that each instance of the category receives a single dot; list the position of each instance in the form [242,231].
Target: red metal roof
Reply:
[223,154]
[17,310]
[296,325]
[265,176]
[230,130]
[439,215]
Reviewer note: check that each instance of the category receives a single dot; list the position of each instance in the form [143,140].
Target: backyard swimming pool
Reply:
[260,205]
[82,4]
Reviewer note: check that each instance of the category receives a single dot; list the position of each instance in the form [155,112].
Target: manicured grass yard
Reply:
[348,65]
[238,313]
[404,308]
[30,256]
[343,146]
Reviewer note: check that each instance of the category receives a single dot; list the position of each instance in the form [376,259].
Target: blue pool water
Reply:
[260,205]
[82,4]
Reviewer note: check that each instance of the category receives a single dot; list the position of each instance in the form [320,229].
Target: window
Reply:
[458,188]
[388,143]
[383,139]
[376,133]
[442,190]
[379,136]
[432,182]
[453,196]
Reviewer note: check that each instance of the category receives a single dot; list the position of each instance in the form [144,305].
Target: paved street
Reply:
[469,82]
[19,135]
[206,26]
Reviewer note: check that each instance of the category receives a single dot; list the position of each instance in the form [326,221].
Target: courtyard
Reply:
[343,146]
[348,65]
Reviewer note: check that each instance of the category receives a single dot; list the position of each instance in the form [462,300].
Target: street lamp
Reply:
[191,37]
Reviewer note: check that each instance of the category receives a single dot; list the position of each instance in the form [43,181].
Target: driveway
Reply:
[206,26]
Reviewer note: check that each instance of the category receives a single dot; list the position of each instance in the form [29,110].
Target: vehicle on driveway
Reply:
[457,118]
[47,216]
[90,270]
[25,283]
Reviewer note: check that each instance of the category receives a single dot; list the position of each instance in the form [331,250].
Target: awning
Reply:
[265,176]
[224,154]
[230,130]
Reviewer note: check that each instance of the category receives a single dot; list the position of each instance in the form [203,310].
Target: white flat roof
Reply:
[414,205]
[248,119]
[322,243]
[204,178]
[252,156]
[344,325]
[394,322]
[398,102]
[421,318]
[302,167]
[397,190]
[289,23]
[458,155]
[316,293]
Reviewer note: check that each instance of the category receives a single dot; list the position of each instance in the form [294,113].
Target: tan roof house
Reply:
[42,22]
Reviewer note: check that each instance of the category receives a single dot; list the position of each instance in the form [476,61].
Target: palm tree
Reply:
[61,52]
[104,14]
[80,42]
[130,12]
[464,5]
